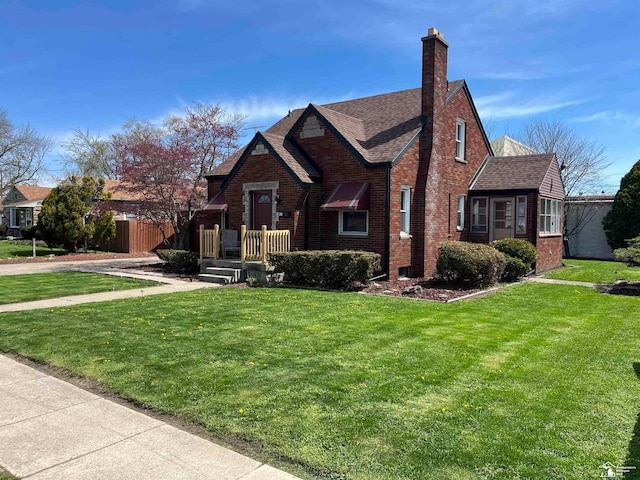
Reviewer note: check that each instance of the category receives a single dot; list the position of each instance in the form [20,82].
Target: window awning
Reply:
[348,196]
[217,204]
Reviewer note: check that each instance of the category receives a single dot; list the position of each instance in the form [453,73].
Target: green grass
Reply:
[539,381]
[40,286]
[24,249]
[595,271]
[6,476]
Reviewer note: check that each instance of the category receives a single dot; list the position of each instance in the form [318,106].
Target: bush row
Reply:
[337,269]
[479,265]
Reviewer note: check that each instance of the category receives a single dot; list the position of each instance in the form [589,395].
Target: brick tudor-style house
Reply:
[395,174]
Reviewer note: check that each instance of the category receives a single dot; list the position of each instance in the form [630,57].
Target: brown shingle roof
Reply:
[33,193]
[522,172]
[377,127]
[120,191]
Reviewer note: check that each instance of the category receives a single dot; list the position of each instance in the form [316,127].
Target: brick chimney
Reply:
[434,73]
[427,201]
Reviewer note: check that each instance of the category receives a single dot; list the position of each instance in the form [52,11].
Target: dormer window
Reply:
[461,127]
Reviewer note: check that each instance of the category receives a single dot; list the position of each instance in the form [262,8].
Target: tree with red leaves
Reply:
[165,165]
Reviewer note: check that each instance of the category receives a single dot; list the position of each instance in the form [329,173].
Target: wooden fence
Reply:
[133,236]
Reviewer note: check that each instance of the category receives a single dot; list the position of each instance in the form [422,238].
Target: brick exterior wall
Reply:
[339,165]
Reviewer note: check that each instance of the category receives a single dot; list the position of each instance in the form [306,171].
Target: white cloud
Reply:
[510,105]
[611,117]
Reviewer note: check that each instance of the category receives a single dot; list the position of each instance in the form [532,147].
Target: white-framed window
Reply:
[461,201]
[353,223]
[461,127]
[521,224]
[14,221]
[479,215]
[550,216]
[405,209]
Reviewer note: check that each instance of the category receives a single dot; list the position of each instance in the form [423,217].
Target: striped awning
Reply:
[348,196]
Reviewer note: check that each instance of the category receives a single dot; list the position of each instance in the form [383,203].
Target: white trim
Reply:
[462,199]
[353,234]
[486,214]
[522,230]
[461,139]
[405,211]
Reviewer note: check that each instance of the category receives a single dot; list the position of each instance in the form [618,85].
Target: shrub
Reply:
[3,230]
[517,248]
[514,269]
[179,261]
[475,264]
[340,269]
[29,233]
[629,255]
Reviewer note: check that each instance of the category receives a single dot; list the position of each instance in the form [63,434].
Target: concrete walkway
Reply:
[53,430]
[561,282]
[119,268]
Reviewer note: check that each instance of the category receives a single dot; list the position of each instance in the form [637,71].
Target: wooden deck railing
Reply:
[254,244]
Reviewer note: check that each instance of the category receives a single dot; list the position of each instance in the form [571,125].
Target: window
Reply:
[521,225]
[353,223]
[405,207]
[461,200]
[460,138]
[28,217]
[13,218]
[479,215]
[550,216]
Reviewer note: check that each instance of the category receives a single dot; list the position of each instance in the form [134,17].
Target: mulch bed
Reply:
[421,288]
[75,257]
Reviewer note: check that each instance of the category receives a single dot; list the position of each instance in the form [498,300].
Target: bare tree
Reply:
[89,155]
[582,161]
[22,153]
[582,164]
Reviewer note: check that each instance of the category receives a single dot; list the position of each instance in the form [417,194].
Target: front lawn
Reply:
[536,382]
[40,286]
[595,271]
[22,249]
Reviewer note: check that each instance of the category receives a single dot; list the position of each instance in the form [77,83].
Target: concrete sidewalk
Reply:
[52,430]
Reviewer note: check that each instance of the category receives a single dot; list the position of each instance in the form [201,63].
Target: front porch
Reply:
[252,247]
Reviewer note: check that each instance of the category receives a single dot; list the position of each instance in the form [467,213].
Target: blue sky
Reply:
[95,64]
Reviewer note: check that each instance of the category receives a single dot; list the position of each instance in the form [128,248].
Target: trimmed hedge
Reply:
[517,248]
[629,255]
[514,269]
[179,261]
[475,264]
[337,269]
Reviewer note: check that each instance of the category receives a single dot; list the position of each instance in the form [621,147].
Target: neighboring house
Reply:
[389,174]
[508,147]
[124,202]
[21,206]
[584,222]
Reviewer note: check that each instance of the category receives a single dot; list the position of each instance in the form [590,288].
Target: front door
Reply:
[261,209]
[501,218]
